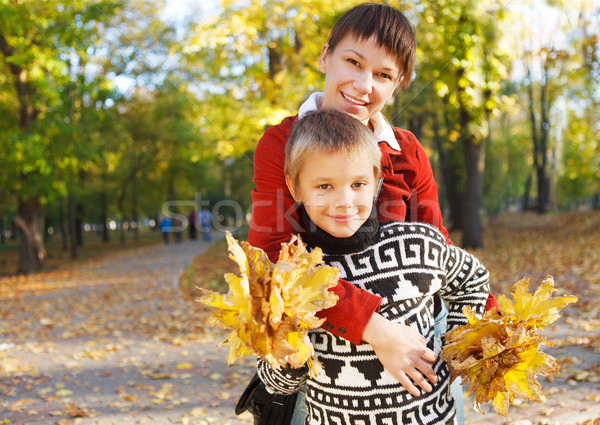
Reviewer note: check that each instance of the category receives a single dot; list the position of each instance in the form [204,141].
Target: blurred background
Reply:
[111,108]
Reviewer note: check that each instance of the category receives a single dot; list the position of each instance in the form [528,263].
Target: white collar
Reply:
[382,129]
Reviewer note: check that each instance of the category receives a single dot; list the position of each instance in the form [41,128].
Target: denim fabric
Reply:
[300,410]
[439,328]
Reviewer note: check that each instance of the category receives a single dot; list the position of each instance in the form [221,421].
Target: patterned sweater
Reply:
[404,264]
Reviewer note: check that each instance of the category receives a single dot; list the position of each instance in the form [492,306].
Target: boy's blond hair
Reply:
[329,131]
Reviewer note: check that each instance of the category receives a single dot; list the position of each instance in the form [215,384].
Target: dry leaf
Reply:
[271,307]
[73,411]
[183,366]
[498,355]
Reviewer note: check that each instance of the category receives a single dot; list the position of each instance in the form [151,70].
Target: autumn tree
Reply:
[579,172]
[33,61]
[459,65]
[257,61]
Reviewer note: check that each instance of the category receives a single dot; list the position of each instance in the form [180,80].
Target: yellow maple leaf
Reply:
[538,309]
[498,354]
[271,307]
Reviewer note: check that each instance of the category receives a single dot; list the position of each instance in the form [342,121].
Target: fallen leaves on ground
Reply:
[102,339]
[271,307]
[57,327]
[498,354]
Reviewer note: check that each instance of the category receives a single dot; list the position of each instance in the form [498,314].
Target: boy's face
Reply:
[337,191]
[360,77]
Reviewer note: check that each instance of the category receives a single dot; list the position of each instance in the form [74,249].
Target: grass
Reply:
[208,268]
[206,271]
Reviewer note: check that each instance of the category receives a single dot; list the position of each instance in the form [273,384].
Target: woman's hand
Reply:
[403,352]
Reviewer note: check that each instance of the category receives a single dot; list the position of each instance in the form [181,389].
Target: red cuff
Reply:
[492,302]
[349,317]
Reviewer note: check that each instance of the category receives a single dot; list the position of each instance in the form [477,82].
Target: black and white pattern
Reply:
[405,264]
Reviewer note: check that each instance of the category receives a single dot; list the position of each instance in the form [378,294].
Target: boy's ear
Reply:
[323,58]
[290,186]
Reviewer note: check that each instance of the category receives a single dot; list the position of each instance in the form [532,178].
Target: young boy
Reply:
[332,167]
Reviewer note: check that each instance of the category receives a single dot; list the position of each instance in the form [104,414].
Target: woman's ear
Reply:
[323,58]
[290,186]
[378,183]
[397,88]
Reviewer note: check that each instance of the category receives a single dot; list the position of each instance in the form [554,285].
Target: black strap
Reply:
[267,408]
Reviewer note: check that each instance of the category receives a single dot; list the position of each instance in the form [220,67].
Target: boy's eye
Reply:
[353,62]
[386,76]
[358,184]
[324,186]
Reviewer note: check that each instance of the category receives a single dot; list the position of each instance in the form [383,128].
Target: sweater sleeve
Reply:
[284,381]
[275,219]
[467,284]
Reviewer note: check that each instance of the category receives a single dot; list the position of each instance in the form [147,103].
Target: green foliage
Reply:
[258,60]
[507,165]
[579,177]
[105,102]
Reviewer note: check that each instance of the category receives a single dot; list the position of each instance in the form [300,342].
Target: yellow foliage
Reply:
[498,355]
[271,307]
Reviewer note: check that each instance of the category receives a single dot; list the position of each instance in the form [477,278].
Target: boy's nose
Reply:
[344,200]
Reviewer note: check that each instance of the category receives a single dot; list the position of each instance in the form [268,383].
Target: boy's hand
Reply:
[306,341]
[403,352]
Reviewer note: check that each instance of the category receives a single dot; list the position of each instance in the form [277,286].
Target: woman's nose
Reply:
[364,82]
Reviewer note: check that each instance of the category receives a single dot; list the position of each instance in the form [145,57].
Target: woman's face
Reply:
[360,76]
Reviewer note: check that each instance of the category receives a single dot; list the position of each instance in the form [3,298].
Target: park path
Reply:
[113,342]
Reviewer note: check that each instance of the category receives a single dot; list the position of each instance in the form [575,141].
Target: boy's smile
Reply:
[337,191]
[360,76]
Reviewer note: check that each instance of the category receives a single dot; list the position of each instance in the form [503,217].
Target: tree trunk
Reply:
[540,140]
[30,221]
[474,163]
[64,236]
[73,228]
[471,225]
[79,213]
[451,165]
[134,212]
[31,215]
[525,202]
[121,209]
[104,217]
[448,185]
[596,201]
[122,235]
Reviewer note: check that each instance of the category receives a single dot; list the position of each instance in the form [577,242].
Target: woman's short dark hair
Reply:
[391,28]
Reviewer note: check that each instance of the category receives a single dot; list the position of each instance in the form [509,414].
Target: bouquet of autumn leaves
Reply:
[271,307]
[498,355]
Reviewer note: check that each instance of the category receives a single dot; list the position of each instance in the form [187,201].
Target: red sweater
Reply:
[408,193]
